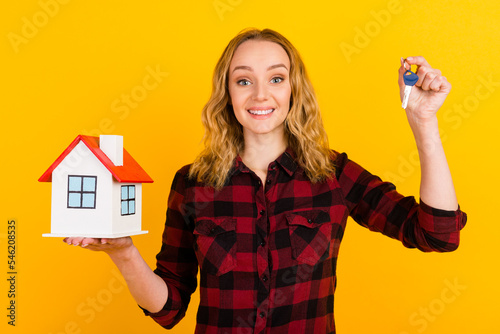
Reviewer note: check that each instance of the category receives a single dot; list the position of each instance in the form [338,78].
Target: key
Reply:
[410,80]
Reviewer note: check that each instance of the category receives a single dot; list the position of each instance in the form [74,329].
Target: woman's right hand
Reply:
[111,246]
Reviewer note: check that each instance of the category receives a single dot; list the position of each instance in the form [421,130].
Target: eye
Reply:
[276,80]
[243,82]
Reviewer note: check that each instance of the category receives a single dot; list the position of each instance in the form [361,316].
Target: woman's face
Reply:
[259,87]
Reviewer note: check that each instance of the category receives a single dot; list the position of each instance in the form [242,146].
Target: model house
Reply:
[96,189]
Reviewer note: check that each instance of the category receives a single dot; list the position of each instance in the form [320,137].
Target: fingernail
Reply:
[402,61]
[84,245]
[409,58]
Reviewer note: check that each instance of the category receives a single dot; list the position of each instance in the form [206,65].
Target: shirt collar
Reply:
[286,160]
[239,166]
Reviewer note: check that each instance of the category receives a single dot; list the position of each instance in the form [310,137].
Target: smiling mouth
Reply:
[260,112]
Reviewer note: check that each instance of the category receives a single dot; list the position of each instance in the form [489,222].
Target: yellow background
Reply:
[67,77]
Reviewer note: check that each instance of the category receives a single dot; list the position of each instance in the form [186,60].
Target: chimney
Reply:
[112,146]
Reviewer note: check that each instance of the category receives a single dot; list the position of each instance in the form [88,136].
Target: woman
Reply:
[262,210]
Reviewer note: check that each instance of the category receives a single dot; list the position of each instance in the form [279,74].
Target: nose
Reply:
[260,92]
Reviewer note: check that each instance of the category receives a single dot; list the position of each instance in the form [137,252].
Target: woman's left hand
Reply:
[428,94]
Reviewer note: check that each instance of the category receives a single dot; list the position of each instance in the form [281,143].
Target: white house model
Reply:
[96,190]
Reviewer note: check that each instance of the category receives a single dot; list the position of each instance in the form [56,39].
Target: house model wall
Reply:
[96,190]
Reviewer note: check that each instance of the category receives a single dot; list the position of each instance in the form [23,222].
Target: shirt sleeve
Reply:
[176,262]
[379,207]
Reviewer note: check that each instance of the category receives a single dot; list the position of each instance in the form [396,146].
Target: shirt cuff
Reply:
[440,221]
[171,306]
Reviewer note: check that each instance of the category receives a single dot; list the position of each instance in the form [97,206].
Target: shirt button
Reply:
[268,181]
[262,212]
[262,243]
[264,278]
[262,314]
[212,230]
[309,221]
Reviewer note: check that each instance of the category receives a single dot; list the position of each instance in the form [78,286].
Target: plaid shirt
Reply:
[267,253]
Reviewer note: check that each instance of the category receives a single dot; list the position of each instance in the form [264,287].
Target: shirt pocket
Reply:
[215,245]
[310,236]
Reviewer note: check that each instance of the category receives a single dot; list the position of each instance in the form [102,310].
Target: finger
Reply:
[428,79]
[113,241]
[402,68]
[440,84]
[405,65]
[435,85]
[422,67]
[75,241]
[68,240]
[418,60]
[98,246]
[89,241]
[425,76]
[401,71]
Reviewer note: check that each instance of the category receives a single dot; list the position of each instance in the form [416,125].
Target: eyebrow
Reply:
[248,68]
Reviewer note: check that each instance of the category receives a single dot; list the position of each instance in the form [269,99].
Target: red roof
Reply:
[129,172]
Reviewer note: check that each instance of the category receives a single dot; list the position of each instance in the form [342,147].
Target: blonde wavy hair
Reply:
[223,137]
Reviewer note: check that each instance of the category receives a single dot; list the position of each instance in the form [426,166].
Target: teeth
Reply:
[261,112]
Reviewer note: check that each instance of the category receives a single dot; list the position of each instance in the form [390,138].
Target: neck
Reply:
[260,150]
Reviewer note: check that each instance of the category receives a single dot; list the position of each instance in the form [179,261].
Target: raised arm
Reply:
[427,96]
[435,223]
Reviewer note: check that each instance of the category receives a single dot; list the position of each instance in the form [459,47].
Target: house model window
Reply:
[128,200]
[81,191]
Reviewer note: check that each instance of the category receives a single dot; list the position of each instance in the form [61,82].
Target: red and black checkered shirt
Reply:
[267,253]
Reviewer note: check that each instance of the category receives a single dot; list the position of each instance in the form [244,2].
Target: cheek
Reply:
[286,97]
[235,98]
